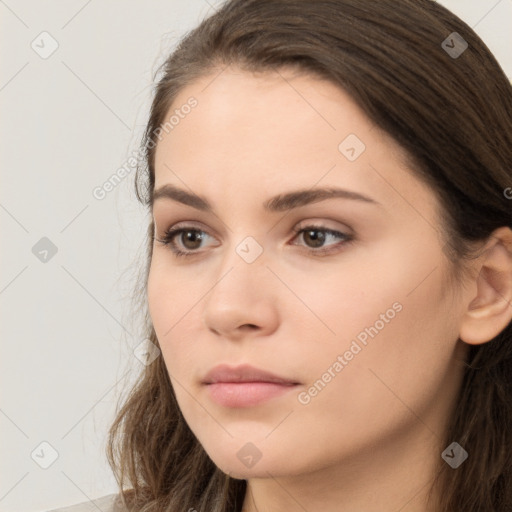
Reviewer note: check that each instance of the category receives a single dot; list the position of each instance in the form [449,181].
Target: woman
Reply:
[329,273]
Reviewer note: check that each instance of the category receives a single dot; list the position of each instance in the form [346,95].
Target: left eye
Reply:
[312,233]
[317,235]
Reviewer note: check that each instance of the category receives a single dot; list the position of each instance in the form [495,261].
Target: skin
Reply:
[371,439]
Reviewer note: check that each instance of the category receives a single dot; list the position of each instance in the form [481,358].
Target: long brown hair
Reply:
[452,113]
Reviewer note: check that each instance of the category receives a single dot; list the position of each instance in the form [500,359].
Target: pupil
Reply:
[190,236]
[317,240]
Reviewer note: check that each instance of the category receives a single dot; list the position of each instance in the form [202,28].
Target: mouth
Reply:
[245,386]
[246,394]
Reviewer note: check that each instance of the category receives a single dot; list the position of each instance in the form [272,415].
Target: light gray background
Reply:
[68,122]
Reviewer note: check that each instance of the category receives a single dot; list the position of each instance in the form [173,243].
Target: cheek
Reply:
[341,303]
[393,325]
[159,298]
[385,384]
[169,295]
[172,307]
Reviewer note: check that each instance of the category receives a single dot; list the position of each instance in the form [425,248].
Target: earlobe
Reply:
[490,311]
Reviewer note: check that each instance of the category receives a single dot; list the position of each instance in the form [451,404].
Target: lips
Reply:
[243,373]
[244,386]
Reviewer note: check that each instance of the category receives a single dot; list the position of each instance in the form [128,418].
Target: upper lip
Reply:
[242,373]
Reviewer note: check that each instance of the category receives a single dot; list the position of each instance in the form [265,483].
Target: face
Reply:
[345,297]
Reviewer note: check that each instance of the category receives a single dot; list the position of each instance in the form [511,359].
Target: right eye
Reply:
[194,236]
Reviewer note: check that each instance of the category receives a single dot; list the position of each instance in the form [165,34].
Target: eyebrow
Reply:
[279,203]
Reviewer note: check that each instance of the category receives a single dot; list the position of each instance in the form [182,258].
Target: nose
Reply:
[242,301]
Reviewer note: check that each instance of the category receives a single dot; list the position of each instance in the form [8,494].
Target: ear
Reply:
[490,311]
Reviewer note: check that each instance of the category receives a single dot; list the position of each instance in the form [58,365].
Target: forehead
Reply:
[276,130]
[255,108]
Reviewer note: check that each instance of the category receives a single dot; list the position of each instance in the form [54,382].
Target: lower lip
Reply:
[246,394]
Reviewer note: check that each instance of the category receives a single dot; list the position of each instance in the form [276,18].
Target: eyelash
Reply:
[171,234]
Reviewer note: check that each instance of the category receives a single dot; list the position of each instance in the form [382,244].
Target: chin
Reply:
[239,473]
[234,465]
[235,468]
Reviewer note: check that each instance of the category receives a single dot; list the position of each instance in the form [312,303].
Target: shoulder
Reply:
[105,504]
